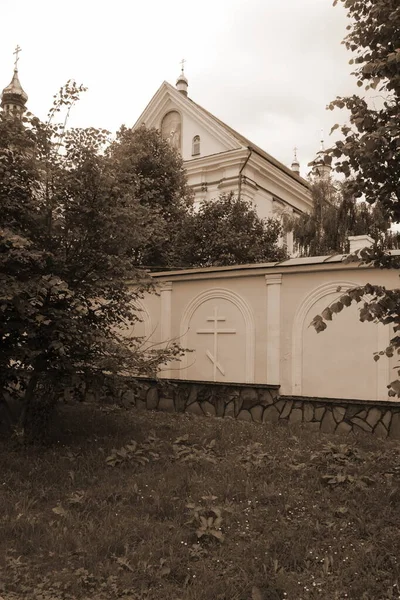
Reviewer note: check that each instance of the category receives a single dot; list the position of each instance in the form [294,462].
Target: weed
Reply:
[132,453]
[185,451]
[257,514]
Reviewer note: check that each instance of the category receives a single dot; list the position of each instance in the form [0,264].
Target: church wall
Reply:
[338,362]
[266,313]
[263,203]
[243,311]
[208,143]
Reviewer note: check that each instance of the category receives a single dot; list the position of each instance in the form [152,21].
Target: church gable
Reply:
[188,128]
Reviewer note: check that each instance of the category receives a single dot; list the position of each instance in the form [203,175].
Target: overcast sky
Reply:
[268,68]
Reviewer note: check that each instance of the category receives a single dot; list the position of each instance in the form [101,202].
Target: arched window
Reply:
[196,145]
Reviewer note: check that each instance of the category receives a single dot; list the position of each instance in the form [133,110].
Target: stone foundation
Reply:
[263,404]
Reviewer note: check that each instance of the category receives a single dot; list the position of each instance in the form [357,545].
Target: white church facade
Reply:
[218,159]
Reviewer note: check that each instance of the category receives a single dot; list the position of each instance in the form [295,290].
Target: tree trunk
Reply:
[6,416]
[28,398]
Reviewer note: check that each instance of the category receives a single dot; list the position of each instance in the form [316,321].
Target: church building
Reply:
[218,159]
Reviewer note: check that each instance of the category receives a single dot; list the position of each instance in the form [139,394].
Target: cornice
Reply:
[273,278]
[280,178]
[228,158]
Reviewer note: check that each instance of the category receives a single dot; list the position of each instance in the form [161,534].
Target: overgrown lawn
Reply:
[150,506]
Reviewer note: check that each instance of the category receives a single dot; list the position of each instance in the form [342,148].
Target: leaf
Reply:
[217,534]
[336,307]
[256,593]
[327,314]
[345,300]
[204,521]
[395,385]
[342,510]
[200,533]
[181,440]
[123,562]
[217,522]
[59,510]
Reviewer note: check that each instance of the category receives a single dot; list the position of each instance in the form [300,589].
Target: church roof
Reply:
[251,146]
[240,139]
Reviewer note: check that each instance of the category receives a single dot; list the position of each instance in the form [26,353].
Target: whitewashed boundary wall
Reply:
[250,324]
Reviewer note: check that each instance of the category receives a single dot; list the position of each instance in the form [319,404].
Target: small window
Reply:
[196,145]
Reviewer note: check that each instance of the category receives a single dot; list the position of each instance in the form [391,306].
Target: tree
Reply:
[370,148]
[69,239]
[148,170]
[334,217]
[227,231]
[370,153]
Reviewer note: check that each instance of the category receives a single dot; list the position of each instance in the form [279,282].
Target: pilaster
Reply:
[165,317]
[273,282]
[383,365]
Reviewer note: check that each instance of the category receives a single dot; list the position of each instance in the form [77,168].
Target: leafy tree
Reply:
[370,148]
[69,239]
[227,231]
[335,215]
[370,152]
[148,170]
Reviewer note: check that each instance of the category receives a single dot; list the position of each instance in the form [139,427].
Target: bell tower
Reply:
[13,97]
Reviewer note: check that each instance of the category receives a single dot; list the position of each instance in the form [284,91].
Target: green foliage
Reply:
[185,451]
[130,534]
[207,519]
[254,455]
[227,231]
[74,224]
[369,153]
[369,150]
[336,214]
[149,174]
[131,453]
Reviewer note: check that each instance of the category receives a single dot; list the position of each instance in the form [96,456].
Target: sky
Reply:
[267,68]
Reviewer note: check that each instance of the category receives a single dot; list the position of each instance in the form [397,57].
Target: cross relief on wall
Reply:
[215,332]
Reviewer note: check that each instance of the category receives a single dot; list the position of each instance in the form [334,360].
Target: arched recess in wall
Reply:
[171,129]
[244,309]
[298,326]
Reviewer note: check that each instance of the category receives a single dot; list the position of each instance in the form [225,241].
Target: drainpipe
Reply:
[241,171]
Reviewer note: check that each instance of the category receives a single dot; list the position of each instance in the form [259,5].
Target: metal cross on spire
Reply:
[182,63]
[322,141]
[16,52]
[295,152]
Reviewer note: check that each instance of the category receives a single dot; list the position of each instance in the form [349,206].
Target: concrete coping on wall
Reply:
[161,380]
[320,399]
[253,268]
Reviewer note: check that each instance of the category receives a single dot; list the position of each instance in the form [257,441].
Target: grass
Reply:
[189,508]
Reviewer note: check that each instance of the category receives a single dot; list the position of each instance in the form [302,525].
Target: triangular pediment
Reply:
[195,121]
